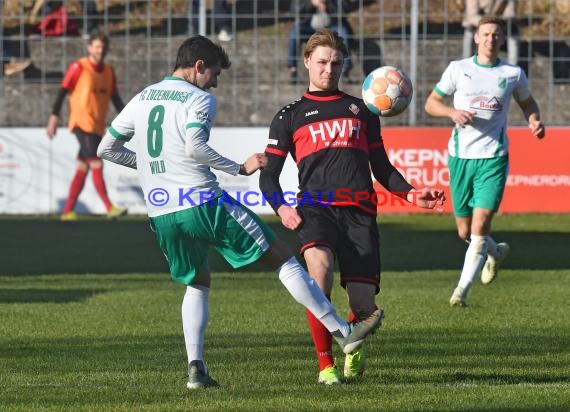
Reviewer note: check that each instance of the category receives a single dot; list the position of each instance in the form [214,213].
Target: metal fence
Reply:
[420,36]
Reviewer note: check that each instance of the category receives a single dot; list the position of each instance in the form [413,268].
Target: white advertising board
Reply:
[35,172]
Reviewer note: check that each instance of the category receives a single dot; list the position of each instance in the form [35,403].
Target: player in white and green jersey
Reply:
[484,90]
[168,125]
[482,87]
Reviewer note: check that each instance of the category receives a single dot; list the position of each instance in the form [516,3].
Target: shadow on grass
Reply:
[482,356]
[405,249]
[461,361]
[45,295]
[47,246]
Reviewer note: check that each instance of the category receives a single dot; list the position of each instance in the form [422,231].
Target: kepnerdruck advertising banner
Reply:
[539,171]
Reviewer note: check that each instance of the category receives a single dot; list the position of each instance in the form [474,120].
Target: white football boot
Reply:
[492,265]
[459,297]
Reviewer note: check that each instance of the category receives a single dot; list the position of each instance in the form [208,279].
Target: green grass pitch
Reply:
[90,321]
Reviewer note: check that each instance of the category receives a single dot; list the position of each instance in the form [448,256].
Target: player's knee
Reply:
[277,254]
[320,262]
[464,233]
[203,278]
[95,164]
[82,166]
[321,273]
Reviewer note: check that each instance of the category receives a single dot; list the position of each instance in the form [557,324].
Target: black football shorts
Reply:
[350,233]
[88,143]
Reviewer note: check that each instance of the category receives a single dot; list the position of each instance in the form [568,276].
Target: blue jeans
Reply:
[302,32]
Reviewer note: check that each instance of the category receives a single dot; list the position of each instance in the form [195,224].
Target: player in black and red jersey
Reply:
[335,142]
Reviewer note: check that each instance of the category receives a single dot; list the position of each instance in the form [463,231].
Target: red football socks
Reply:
[99,184]
[74,190]
[322,339]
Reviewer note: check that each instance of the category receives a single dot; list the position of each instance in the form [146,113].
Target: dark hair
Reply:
[201,48]
[326,38]
[492,20]
[99,36]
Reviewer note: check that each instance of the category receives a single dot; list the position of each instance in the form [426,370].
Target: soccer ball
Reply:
[387,91]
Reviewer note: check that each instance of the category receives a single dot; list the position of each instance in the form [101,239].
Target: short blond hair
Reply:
[325,38]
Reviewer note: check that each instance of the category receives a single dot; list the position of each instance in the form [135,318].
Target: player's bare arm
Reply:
[253,163]
[532,114]
[51,129]
[289,217]
[435,106]
[427,198]
[536,127]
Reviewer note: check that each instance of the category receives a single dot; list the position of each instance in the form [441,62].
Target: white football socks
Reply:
[306,291]
[475,258]
[492,249]
[195,320]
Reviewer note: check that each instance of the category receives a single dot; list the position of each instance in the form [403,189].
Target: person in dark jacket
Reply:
[314,15]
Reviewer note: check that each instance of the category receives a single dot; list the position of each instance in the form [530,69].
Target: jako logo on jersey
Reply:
[354,108]
[202,116]
[334,129]
[481,103]
[311,113]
